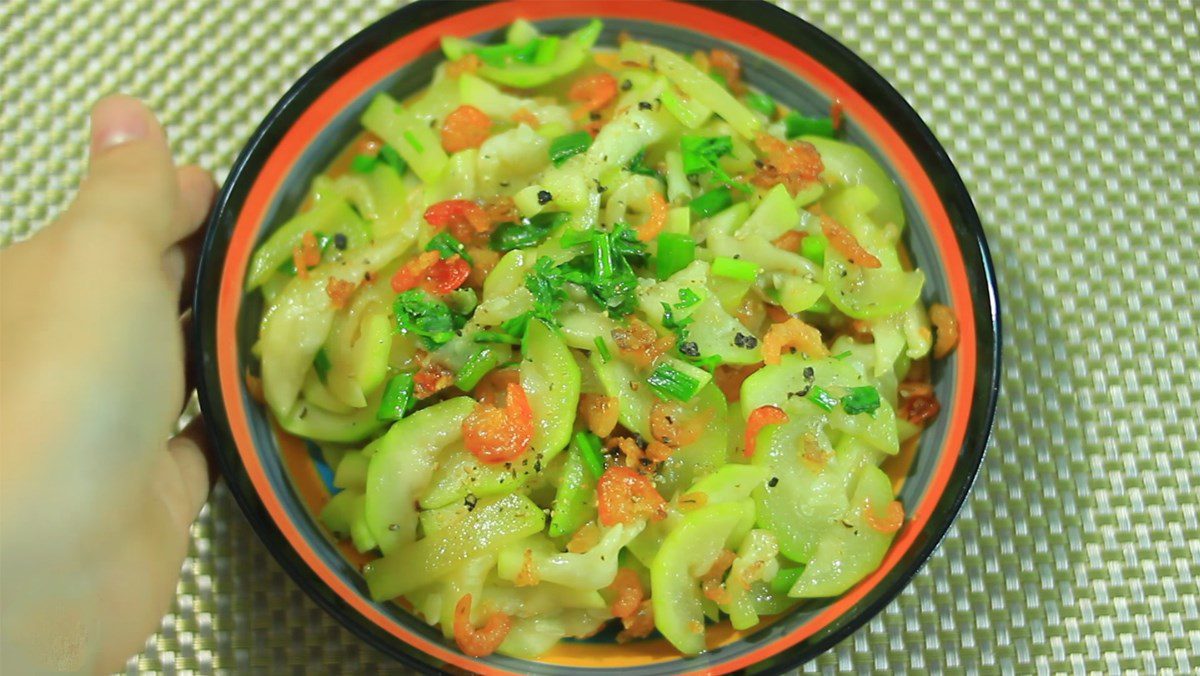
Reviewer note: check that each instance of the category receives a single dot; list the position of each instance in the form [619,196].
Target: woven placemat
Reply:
[1076,127]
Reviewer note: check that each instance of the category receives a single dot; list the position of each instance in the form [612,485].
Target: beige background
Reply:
[1076,126]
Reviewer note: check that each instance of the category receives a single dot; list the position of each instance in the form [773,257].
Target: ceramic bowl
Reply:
[281,485]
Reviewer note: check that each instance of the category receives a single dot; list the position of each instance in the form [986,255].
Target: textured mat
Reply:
[1076,126]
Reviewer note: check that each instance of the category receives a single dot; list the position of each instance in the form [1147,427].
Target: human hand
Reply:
[95,499]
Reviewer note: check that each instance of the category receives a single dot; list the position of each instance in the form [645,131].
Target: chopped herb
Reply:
[362,164]
[822,398]
[671,383]
[445,244]
[545,282]
[602,348]
[843,355]
[588,447]
[687,298]
[412,141]
[700,155]
[638,166]
[421,315]
[799,125]
[495,337]
[733,268]
[321,363]
[712,202]
[528,232]
[392,158]
[398,398]
[863,399]
[762,103]
[567,146]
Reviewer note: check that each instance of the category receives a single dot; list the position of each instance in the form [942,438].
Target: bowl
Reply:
[281,484]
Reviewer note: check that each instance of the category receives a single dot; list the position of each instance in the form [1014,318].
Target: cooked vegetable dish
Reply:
[599,338]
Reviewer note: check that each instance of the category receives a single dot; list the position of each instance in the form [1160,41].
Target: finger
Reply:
[131,182]
[195,471]
[190,377]
[196,191]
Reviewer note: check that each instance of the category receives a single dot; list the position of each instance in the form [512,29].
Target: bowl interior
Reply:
[281,482]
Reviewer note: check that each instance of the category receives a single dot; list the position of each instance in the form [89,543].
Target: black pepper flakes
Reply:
[745,341]
[773,482]
[470,501]
[593,116]
[645,105]
[689,348]
[339,241]
[626,84]
[544,197]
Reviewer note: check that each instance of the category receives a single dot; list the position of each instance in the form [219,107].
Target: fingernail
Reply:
[117,120]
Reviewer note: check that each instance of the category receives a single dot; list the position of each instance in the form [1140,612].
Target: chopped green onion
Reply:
[495,337]
[822,398]
[733,268]
[821,307]
[700,153]
[799,125]
[813,248]
[547,49]
[761,103]
[362,164]
[843,355]
[412,141]
[675,252]
[392,158]
[478,365]
[785,579]
[637,166]
[398,398]
[708,363]
[602,348]
[529,232]
[863,399]
[516,326]
[687,298]
[671,383]
[567,146]
[445,244]
[321,363]
[711,202]
[588,447]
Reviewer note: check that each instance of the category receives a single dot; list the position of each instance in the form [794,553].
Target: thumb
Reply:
[131,184]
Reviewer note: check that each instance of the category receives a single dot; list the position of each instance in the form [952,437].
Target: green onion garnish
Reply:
[529,232]
[412,141]
[687,298]
[799,125]
[711,202]
[478,365]
[843,355]
[362,164]
[821,307]
[863,399]
[813,248]
[392,158]
[733,268]
[785,579]
[398,398]
[761,103]
[671,383]
[321,363]
[588,447]
[547,49]
[675,252]
[822,398]
[445,244]
[602,348]
[567,146]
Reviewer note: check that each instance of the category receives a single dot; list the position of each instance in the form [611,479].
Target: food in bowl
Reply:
[599,338]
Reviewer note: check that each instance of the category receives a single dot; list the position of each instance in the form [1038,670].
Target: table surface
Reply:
[1076,127]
